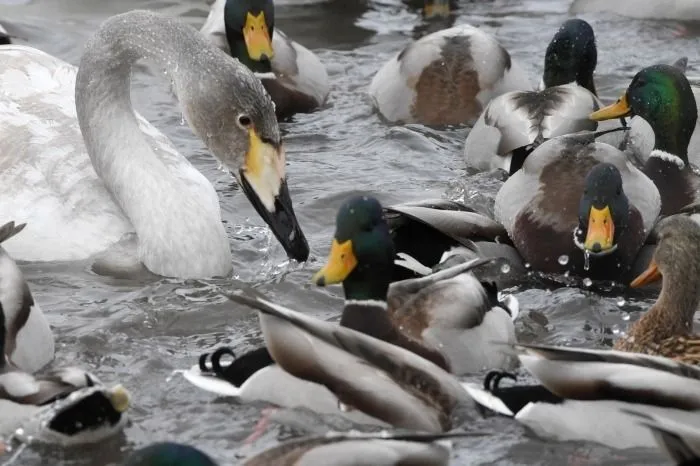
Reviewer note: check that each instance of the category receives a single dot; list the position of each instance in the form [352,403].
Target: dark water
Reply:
[138,333]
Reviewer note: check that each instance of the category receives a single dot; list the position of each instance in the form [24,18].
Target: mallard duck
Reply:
[662,96]
[584,394]
[169,454]
[294,77]
[665,329]
[427,230]
[254,376]
[67,406]
[121,182]
[433,8]
[576,207]
[382,380]
[448,317]
[28,339]
[682,10]
[445,78]
[580,206]
[513,124]
[354,449]
[679,439]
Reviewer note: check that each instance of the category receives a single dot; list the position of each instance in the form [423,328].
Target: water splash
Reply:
[587,282]
[586,260]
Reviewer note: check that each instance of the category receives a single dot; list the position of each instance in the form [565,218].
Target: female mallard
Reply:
[104,178]
[445,78]
[67,407]
[585,394]
[513,124]
[448,317]
[294,77]
[662,96]
[665,329]
[28,339]
[578,205]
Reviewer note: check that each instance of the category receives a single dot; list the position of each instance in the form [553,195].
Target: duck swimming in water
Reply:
[294,76]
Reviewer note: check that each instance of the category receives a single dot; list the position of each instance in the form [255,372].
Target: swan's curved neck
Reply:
[172,206]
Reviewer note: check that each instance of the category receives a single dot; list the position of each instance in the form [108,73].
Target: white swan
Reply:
[83,181]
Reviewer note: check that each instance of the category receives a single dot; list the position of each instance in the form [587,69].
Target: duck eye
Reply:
[244,121]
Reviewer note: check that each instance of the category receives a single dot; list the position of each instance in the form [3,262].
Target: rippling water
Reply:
[138,333]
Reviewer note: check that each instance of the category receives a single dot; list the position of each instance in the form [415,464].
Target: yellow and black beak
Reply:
[619,109]
[436,8]
[601,231]
[650,275]
[257,37]
[264,183]
[341,262]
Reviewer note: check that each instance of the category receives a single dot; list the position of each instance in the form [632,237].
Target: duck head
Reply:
[436,8]
[662,96]
[169,453]
[249,28]
[676,257]
[571,56]
[362,251]
[603,211]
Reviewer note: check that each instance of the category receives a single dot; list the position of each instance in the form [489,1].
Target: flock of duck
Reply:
[592,191]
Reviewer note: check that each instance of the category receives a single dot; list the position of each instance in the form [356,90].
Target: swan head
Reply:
[233,114]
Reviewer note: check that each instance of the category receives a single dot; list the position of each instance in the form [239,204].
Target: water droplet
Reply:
[527,265]
[626,316]
[343,407]
[505,268]
[563,259]
[615,330]
[621,301]
[586,260]
[587,282]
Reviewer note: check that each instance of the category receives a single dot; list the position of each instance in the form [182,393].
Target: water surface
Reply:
[138,333]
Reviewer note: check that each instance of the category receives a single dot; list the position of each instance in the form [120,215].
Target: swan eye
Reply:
[244,121]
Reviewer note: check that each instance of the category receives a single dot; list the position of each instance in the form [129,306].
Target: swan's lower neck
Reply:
[172,206]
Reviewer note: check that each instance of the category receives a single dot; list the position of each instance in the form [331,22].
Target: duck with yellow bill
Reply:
[663,97]
[294,76]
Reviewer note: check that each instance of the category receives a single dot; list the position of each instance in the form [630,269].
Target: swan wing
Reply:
[46,176]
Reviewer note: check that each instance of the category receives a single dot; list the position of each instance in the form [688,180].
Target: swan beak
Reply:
[619,109]
[436,9]
[119,397]
[264,183]
[650,275]
[601,230]
[257,37]
[341,262]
